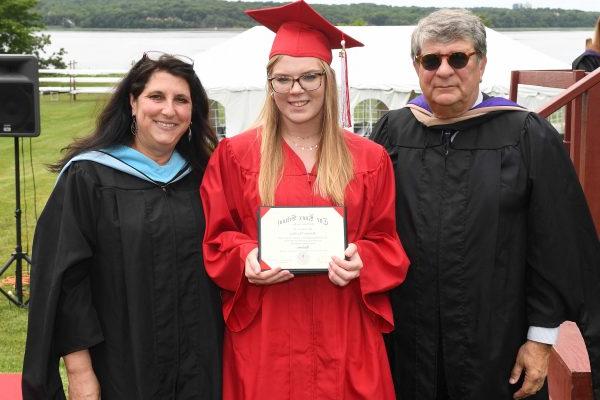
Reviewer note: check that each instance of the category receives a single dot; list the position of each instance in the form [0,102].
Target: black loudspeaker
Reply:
[19,96]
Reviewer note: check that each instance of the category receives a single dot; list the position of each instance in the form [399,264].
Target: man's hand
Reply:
[83,384]
[532,357]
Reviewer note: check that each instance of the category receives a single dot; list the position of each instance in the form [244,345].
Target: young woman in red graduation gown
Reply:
[306,336]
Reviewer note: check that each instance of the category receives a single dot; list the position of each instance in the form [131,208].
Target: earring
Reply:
[190,133]
[133,127]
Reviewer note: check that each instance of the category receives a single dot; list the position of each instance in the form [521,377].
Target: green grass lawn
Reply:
[61,121]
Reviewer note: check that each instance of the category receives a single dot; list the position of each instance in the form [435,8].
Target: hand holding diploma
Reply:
[341,272]
[264,277]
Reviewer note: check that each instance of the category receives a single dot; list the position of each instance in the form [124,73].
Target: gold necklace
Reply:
[303,147]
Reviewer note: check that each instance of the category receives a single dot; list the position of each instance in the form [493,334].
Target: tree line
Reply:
[194,14]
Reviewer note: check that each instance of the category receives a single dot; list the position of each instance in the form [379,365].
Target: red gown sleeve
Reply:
[226,246]
[384,261]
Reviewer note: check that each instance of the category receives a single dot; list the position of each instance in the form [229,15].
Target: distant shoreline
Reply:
[217,14]
[77,29]
[59,28]
[586,28]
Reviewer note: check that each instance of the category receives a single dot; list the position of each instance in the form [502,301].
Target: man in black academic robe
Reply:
[494,221]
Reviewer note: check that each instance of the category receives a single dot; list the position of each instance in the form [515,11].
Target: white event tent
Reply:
[233,72]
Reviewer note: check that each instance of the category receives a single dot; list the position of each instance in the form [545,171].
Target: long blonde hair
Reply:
[596,39]
[334,163]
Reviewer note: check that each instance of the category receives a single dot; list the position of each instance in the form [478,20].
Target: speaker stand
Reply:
[17,256]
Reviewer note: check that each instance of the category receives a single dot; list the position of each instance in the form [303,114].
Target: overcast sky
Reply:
[587,5]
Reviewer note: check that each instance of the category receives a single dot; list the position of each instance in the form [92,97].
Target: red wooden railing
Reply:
[582,122]
[560,79]
[569,375]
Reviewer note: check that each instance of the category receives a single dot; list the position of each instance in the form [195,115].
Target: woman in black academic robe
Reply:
[118,286]
[589,61]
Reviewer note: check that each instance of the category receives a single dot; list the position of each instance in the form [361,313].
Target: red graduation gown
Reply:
[305,338]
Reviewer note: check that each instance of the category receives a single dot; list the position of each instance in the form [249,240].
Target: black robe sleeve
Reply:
[563,248]
[586,62]
[62,318]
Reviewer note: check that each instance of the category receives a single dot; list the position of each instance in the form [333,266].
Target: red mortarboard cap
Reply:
[301,31]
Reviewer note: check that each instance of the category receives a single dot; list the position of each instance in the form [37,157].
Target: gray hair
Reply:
[446,26]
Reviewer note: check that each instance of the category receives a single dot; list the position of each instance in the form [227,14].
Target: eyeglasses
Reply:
[157,55]
[456,60]
[284,83]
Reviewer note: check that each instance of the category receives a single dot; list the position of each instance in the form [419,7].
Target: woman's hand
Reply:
[341,272]
[83,384]
[269,277]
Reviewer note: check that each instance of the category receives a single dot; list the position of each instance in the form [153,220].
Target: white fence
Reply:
[71,80]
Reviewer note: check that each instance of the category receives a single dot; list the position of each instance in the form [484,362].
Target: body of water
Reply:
[564,45]
[118,49]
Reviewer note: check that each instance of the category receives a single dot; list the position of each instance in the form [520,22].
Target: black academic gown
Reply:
[117,269]
[500,238]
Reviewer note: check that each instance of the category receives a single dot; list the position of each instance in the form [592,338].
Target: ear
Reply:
[482,64]
[133,104]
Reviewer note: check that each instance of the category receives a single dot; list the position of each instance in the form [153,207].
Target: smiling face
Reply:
[451,92]
[163,113]
[300,109]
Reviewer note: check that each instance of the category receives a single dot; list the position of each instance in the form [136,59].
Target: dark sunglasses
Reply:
[456,60]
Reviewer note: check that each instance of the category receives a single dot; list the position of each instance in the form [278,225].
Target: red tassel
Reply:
[345,92]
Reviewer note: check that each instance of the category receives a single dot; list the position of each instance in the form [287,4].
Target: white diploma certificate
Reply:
[301,239]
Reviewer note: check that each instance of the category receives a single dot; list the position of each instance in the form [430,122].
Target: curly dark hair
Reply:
[113,125]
